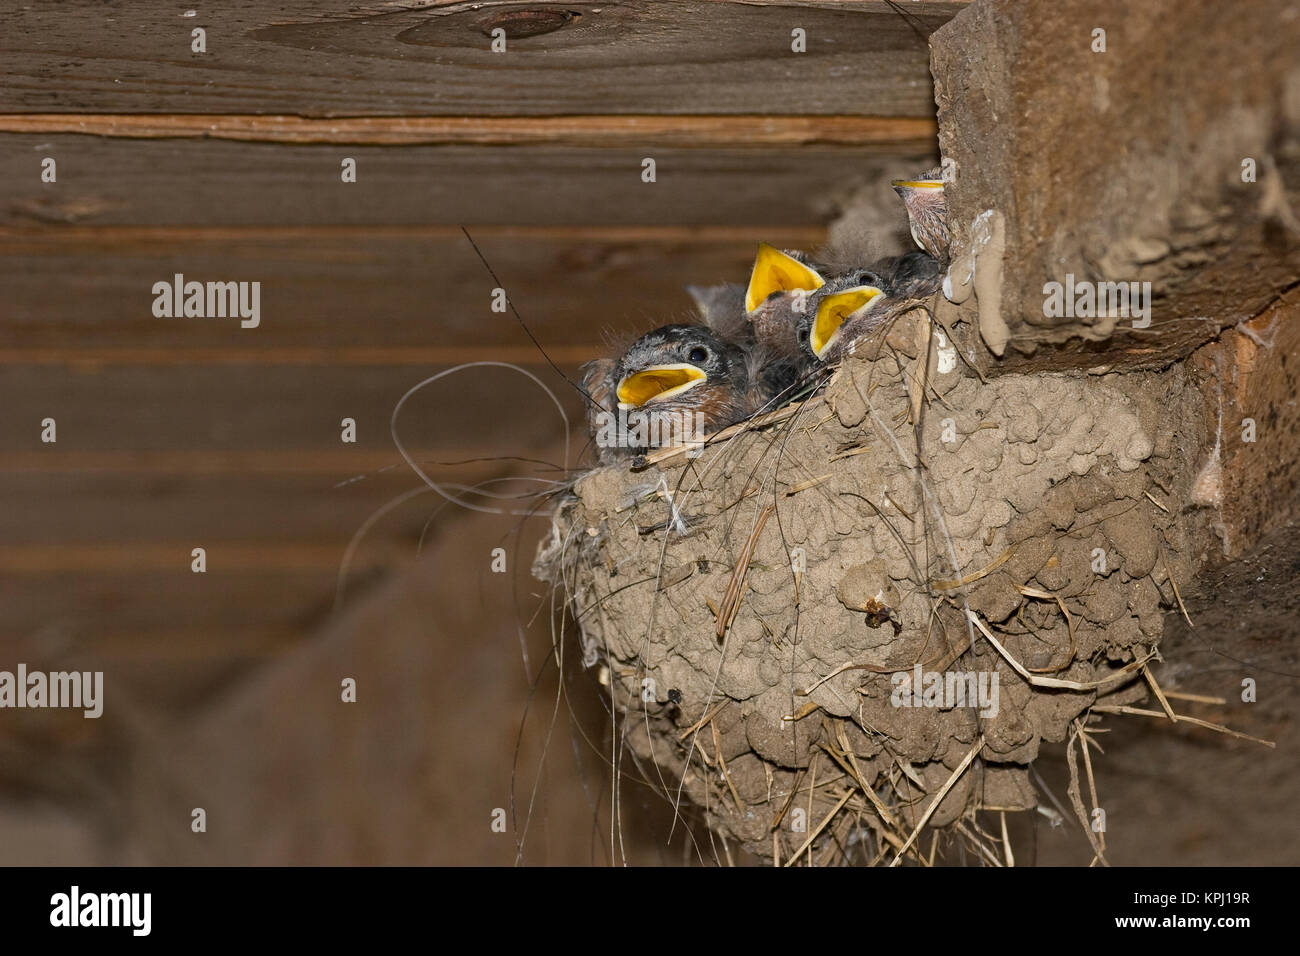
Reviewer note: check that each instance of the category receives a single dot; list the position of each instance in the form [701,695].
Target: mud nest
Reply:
[901,632]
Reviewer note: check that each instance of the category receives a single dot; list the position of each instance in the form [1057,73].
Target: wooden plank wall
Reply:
[225,165]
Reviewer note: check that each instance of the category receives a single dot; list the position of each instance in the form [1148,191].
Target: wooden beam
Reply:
[328,58]
[341,462]
[174,557]
[399,296]
[175,498]
[137,239]
[758,131]
[360,355]
[114,602]
[222,409]
[1250,478]
[545,189]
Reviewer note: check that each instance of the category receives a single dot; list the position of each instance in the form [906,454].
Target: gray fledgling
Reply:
[781,285]
[668,376]
[927,212]
[859,302]
[722,308]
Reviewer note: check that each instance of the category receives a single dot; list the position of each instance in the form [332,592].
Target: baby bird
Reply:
[775,360]
[913,275]
[763,318]
[859,302]
[839,311]
[722,309]
[672,385]
[780,287]
[927,212]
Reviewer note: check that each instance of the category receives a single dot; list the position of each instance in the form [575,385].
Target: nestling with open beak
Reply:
[776,365]
[781,286]
[859,302]
[678,376]
[927,212]
[841,310]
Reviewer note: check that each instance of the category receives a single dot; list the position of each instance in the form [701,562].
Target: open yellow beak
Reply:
[917,184]
[774,271]
[657,382]
[834,310]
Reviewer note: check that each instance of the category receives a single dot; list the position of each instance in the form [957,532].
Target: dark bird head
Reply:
[836,309]
[927,212]
[915,274]
[683,377]
[685,365]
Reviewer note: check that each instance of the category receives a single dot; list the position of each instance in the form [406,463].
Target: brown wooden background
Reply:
[178,433]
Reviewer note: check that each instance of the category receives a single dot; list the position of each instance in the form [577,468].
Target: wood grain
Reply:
[757,131]
[1252,372]
[161,182]
[336,462]
[175,434]
[82,499]
[347,296]
[361,355]
[228,408]
[328,59]
[161,558]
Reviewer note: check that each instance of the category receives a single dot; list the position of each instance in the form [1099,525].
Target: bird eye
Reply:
[699,354]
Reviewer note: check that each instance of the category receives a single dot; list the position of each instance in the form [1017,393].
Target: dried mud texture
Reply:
[1041,483]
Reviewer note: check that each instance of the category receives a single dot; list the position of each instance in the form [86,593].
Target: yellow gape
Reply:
[917,183]
[774,271]
[657,382]
[834,310]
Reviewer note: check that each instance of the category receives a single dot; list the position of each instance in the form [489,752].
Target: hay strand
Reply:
[943,792]
[1038,680]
